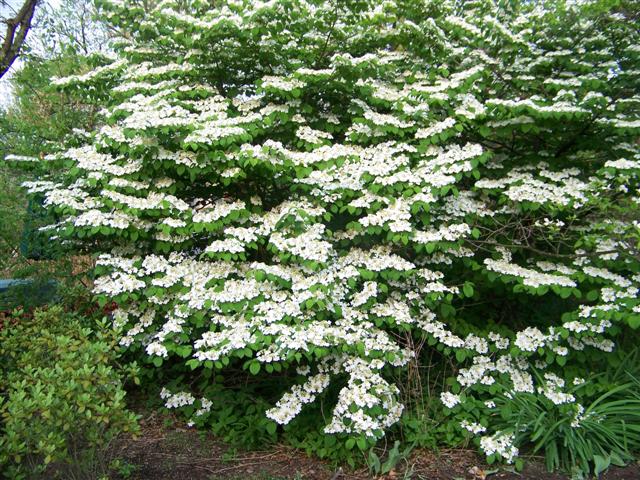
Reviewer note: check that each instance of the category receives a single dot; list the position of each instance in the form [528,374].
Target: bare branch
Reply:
[17,28]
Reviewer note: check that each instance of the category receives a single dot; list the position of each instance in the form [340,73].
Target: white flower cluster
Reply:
[94,74]
[176,400]
[530,339]
[311,135]
[290,405]
[562,188]
[365,390]
[553,390]
[449,233]
[473,427]
[436,128]
[530,277]
[449,399]
[308,245]
[501,444]
[280,83]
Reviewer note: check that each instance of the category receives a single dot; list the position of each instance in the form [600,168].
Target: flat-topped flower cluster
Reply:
[299,199]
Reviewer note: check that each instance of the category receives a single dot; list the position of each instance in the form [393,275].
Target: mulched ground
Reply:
[167,450]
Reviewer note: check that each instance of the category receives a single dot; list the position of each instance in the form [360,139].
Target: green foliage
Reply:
[346,190]
[39,115]
[12,213]
[378,466]
[606,431]
[336,449]
[31,124]
[29,294]
[63,42]
[61,400]
[430,429]
[239,420]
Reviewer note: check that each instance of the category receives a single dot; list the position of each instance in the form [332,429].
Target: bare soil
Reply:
[168,450]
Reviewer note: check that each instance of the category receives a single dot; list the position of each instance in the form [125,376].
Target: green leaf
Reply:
[633,321]
[600,464]
[519,464]
[184,351]
[272,427]
[362,443]
[254,368]
[193,363]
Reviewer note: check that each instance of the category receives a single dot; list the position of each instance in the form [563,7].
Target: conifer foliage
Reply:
[303,186]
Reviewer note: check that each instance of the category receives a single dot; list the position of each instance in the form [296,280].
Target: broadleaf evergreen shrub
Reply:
[62,402]
[309,190]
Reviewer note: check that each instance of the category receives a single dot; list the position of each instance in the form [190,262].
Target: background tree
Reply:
[66,39]
[15,34]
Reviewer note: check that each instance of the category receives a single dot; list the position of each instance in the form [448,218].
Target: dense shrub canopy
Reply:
[314,185]
[62,401]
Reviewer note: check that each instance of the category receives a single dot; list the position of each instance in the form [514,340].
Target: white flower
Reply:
[501,444]
[449,399]
[473,427]
[158,349]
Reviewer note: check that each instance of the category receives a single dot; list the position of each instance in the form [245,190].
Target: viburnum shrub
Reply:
[308,186]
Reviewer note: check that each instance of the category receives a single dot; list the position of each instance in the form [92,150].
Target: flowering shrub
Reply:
[309,186]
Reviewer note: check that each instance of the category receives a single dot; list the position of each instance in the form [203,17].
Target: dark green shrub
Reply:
[28,293]
[61,400]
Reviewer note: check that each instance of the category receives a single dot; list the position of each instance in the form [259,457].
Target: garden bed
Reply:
[168,450]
